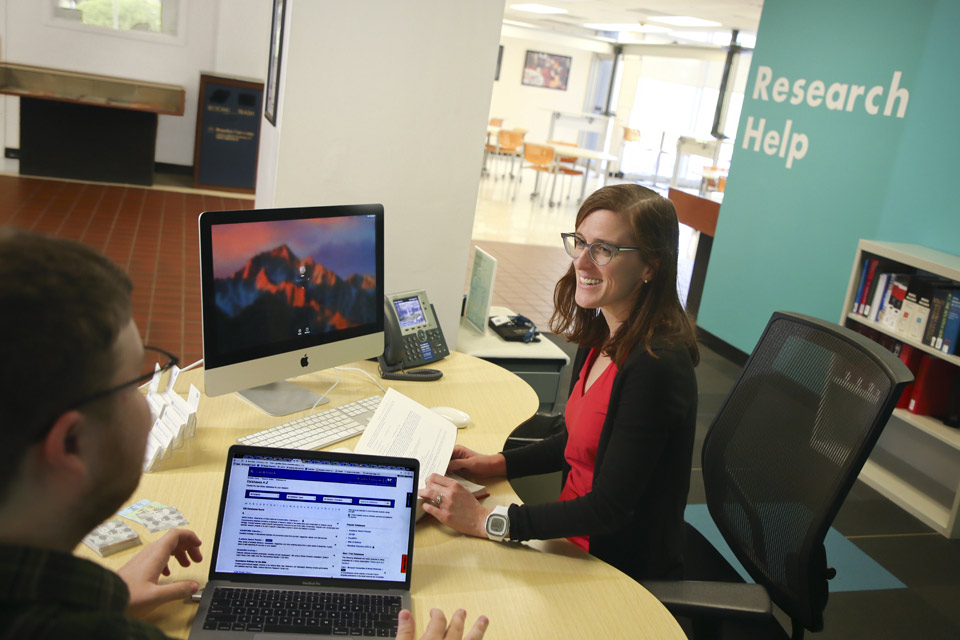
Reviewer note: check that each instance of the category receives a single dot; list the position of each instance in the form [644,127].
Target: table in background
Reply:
[543,589]
[85,126]
[538,363]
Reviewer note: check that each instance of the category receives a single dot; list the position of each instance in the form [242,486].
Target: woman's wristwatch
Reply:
[498,524]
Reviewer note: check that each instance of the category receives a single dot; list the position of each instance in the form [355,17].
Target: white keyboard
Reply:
[319,429]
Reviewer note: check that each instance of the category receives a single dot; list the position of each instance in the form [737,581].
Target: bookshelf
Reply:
[916,461]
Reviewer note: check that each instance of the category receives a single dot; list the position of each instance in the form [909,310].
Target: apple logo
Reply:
[303,361]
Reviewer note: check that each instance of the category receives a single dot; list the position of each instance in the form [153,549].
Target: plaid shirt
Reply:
[51,594]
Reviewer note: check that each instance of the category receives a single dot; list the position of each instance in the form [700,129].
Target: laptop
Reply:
[309,544]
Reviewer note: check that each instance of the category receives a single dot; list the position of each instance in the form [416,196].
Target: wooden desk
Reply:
[544,589]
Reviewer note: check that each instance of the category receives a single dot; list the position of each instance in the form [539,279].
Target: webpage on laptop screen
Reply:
[319,519]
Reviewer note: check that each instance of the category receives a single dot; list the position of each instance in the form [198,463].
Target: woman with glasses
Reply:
[626,445]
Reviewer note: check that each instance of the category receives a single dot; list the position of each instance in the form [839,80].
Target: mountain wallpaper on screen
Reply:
[277,294]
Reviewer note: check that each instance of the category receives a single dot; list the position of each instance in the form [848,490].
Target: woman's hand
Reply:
[477,464]
[143,571]
[457,508]
[437,629]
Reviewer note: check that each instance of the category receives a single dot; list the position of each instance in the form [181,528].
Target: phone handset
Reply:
[412,337]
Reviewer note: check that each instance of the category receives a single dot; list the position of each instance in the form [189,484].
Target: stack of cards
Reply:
[154,515]
[162,519]
[110,537]
[175,419]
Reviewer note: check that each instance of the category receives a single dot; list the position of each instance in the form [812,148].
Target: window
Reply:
[151,16]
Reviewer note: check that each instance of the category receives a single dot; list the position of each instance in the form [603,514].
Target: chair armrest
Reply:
[694,599]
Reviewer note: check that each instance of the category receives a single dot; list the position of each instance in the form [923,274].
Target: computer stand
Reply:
[281,398]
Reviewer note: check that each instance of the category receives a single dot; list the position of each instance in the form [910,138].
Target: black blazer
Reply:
[634,511]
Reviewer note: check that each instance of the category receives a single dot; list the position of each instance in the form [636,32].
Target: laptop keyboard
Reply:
[313,612]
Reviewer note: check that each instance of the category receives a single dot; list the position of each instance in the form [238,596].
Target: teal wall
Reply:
[786,236]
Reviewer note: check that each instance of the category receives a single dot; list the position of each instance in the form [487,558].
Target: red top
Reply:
[584,416]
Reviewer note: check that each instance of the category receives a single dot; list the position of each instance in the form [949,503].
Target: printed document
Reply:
[405,428]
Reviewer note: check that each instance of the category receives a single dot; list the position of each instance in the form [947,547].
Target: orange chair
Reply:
[496,122]
[540,158]
[509,144]
[566,167]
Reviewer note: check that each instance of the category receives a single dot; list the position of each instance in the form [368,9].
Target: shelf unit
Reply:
[916,461]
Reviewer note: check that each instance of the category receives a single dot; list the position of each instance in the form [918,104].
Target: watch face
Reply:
[496,525]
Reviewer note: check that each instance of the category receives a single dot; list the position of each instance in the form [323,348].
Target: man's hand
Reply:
[143,571]
[437,629]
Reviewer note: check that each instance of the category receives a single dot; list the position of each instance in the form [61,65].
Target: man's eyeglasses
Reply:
[600,252]
[153,357]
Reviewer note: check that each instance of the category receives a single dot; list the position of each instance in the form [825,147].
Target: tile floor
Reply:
[152,233]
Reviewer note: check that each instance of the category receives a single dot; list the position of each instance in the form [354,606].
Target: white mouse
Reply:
[455,416]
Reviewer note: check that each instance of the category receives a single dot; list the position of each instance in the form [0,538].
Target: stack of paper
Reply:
[110,537]
[404,428]
[175,419]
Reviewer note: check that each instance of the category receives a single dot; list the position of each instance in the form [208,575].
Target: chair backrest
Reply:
[631,135]
[496,122]
[510,140]
[786,447]
[537,154]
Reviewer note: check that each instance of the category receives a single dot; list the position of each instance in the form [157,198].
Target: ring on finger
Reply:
[439,499]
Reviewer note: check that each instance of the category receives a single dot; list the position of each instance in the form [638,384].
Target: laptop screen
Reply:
[315,517]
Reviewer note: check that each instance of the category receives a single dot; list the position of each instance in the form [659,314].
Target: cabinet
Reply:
[916,462]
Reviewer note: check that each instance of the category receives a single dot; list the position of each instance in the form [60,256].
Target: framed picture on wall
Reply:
[272,90]
[499,60]
[546,70]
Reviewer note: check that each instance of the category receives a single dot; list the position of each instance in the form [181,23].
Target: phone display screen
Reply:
[410,312]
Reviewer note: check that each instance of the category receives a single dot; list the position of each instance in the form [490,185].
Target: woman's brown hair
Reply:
[657,315]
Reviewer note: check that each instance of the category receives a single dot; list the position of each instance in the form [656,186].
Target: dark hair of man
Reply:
[64,304]
[657,315]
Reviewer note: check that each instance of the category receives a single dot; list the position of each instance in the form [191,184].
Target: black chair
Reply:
[778,461]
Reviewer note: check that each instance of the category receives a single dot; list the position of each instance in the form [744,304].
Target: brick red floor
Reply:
[151,233]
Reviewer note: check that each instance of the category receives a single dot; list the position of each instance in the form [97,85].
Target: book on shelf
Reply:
[931,387]
[910,357]
[881,282]
[893,305]
[937,340]
[868,285]
[952,416]
[937,300]
[952,325]
[863,281]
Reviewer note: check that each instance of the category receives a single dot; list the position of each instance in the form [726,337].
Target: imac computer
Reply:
[287,292]
[480,293]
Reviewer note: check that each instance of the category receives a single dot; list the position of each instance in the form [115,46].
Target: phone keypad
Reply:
[424,346]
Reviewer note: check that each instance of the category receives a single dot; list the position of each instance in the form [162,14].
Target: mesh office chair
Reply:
[778,461]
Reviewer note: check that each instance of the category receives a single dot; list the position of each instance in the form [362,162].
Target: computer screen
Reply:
[287,292]
[480,293]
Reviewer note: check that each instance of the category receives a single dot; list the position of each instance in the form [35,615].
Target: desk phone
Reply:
[412,336]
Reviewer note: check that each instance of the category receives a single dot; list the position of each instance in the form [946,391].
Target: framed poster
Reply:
[271,93]
[546,70]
